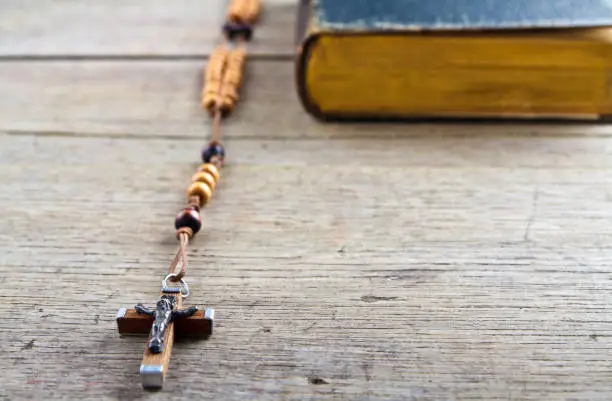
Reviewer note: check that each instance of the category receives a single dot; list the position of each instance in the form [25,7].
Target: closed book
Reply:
[364,59]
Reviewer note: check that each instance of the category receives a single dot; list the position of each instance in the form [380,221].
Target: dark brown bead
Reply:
[188,217]
[214,150]
[233,30]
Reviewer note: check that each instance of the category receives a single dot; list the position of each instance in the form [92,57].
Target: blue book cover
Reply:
[459,14]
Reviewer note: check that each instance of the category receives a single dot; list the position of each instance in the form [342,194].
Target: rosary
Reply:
[222,80]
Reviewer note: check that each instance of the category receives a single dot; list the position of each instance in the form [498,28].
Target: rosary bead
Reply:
[201,190]
[213,77]
[210,169]
[233,30]
[190,218]
[213,150]
[244,10]
[206,178]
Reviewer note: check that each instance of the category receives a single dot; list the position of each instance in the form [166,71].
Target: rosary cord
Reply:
[180,257]
[223,78]
[216,127]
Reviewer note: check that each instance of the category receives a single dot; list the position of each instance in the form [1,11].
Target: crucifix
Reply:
[163,323]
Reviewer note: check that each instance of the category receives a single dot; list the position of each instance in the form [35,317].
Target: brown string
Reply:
[181,255]
[194,202]
[216,126]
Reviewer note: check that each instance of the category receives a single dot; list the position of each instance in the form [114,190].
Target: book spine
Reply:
[305,40]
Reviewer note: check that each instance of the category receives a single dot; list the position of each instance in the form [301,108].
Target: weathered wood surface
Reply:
[428,262]
[445,278]
[133,28]
[161,99]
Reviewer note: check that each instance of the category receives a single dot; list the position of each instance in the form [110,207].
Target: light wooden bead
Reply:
[201,190]
[251,10]
[236,10]
[210,169]
[213,79]
[216,64]
[206,178]
[232,79]
[245,11]
[229,98]
[211,95]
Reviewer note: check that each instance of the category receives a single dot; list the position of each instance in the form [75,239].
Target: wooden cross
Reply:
[162,324]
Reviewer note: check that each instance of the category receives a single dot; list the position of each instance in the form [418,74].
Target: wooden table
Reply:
[347,262]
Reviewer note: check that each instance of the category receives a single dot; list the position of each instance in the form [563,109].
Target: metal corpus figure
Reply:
[163,314]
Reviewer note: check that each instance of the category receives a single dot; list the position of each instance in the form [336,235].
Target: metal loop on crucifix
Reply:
[172,277]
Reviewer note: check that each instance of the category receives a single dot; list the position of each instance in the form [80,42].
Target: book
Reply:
[388,59]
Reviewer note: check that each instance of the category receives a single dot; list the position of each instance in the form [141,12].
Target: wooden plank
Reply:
[162,99]
[425,268]
[132,28]
[408,155]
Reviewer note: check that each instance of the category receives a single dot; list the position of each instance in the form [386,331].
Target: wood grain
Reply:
[344,262]
[339,275]
[131,28]
[162,99]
